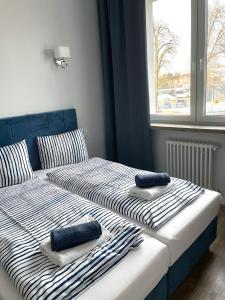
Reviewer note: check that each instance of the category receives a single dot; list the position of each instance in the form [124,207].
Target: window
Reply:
[215,91]
[186,59]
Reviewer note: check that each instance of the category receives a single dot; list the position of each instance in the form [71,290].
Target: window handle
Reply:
[201,64]
[193,66]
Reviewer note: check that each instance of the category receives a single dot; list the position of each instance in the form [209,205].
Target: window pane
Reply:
[215,91]
[172,57]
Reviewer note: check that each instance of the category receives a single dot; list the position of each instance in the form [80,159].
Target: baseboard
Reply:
[222,200]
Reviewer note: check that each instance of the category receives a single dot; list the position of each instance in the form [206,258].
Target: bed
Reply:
[143,270]
[185,245]
[187,235]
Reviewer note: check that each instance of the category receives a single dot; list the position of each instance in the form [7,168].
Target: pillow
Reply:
[15,165]
[62,149]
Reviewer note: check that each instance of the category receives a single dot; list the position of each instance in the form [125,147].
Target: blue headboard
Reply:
[28,127]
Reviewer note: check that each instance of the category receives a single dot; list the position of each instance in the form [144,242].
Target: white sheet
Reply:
[133,278]
[180,232]
[43,173]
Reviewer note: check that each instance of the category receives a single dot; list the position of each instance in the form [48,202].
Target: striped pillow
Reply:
[62,149]
[15,165]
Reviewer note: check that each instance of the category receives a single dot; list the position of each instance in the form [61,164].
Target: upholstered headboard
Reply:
[28,127]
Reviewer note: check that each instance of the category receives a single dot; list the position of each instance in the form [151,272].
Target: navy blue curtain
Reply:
[122,26]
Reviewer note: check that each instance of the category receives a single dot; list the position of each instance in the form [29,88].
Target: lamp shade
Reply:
[62,52]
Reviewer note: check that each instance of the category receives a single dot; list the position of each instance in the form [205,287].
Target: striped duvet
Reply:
[107,183]
[28,212]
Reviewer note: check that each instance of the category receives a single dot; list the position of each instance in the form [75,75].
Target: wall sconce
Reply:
[61,54]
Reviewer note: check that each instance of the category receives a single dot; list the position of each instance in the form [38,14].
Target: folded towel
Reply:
[65,257]
[65,238]
[152,179]
[150,194]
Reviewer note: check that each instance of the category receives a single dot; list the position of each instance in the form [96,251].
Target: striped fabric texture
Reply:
[107,183]
[62,149]
[15,165]
[28,212]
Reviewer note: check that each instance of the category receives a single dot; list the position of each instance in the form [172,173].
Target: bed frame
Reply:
[28,127]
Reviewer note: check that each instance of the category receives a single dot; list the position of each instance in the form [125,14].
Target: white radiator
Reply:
[190,161]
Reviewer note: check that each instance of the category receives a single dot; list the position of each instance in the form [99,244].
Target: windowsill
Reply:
[181,127]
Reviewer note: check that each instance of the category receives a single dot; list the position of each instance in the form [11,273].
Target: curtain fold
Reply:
[124,57]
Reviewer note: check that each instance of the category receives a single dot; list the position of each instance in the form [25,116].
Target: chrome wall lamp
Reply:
[62,54]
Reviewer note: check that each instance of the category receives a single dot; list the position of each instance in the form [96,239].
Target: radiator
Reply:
[190,161]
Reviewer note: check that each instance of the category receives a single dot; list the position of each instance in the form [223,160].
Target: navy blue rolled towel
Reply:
[65,238]
[154,179]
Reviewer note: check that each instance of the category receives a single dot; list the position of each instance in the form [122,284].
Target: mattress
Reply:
[181,231]
[133,278]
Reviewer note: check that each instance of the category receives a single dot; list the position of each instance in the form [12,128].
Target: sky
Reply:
[177,14]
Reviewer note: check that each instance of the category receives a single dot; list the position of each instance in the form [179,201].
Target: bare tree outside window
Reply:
[172,52]
[165,47]
[215,94]
[172,57]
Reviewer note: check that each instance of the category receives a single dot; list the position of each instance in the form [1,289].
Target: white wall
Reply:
[29,80]
[159,150]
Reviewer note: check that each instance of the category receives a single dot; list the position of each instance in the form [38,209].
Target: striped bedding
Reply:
[15,166]
[28,212]
[62,149]
[107,183]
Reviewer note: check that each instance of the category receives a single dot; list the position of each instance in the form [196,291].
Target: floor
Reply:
[207,281]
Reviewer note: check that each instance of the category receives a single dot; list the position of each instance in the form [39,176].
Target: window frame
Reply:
[199,33]
[202,28]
